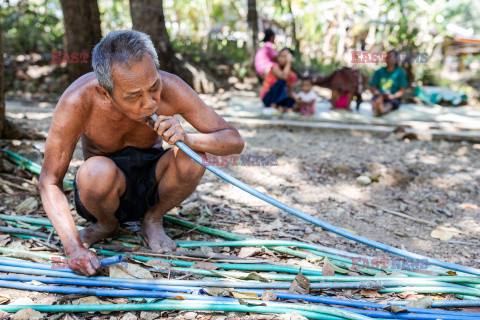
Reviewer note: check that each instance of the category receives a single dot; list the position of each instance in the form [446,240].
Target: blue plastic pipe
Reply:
[191,285]
[320,223]
[165,294]
[198,290]
[373,284]
[113,260]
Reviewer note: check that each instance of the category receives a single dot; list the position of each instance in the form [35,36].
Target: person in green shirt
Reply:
[388,86]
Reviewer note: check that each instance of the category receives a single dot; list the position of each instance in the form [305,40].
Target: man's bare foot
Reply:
[158,240]
[96,233]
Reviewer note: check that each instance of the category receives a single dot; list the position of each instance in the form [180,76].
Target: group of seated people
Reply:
[388,84]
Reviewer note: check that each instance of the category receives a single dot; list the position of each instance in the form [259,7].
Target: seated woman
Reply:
[277,89]
[388,86]
[266,56]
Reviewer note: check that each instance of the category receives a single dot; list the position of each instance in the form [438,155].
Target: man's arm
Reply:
[374,84]
[216,135]
[398,94]
[67,126]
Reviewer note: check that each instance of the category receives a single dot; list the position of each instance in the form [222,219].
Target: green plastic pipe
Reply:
[30,165]
[229,235]
[184,265]
[203,272]
[464,280]
[28,234]
[176,306]
[434,288]
[465,291]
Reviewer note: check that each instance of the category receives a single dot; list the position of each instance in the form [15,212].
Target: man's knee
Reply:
[98,177]
[188,169]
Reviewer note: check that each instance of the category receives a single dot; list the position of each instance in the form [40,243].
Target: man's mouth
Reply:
[150,120]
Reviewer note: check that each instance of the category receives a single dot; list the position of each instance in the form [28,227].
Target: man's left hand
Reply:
[170,129]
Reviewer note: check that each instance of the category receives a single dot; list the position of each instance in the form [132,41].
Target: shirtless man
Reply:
[127,174]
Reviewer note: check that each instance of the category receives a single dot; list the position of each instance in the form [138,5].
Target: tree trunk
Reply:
[296,42]
[252,20]
[2,101]
[82,32]
[8,130]
[148,17]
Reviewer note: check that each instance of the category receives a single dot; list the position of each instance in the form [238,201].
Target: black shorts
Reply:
[138,166]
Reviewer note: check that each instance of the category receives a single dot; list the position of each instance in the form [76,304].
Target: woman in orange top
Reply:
[277,87]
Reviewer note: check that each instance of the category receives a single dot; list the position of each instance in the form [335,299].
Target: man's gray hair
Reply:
[122,46]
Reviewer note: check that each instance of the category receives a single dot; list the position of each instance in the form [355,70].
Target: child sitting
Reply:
[306,98]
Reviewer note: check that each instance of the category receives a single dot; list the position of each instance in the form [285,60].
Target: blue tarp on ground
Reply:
[435,95]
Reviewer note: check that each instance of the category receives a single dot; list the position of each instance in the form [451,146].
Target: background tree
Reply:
[148,17]
[82,32]
[252,20]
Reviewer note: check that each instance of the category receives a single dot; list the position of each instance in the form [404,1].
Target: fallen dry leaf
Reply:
[4,239]
[204,265]
[250,303]
[157,262]
[275,225]
[268,295]
[129,270]
[254,276]
[90,300]
[300,284]
[245,295]
[424,303]
[217,292]
[441,234]
[327,270]
[370,293]
[27,314]
[25,256]
[177,298]
[29,204]
[395,309]
[246,252]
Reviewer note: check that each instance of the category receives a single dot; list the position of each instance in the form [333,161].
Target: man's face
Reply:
[137,88]
[391,58]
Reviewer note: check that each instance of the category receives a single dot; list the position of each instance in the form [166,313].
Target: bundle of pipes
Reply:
[190,290]
[466,287]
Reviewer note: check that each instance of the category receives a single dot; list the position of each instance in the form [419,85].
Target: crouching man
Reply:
[127,175]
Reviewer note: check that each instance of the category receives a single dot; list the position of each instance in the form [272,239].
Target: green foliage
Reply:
[217,50]
[213,32]
[114,15]
[32,26]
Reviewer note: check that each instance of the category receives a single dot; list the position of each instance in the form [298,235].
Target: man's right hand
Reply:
[84,262]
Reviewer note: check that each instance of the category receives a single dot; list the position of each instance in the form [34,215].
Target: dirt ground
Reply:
[316,172]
